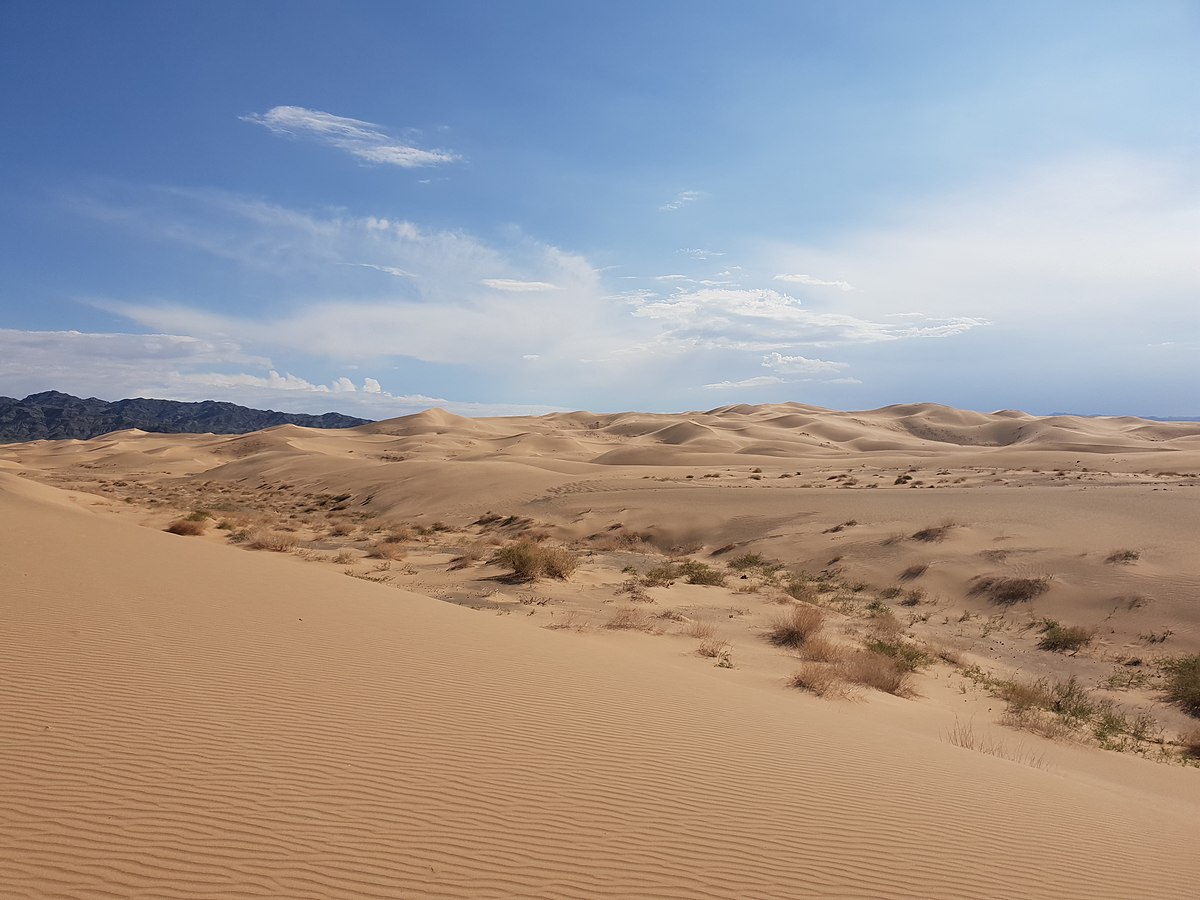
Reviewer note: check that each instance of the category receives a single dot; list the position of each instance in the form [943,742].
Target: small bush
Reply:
[891,593]
[705,631]
[1123,557]
[908,657]
[933,533]
[1183,682]
[1191,743]
[530,561]
[876,671]
[746,562]
[269,539]
[629,618]
[801,589]
[188,527]
[701,573]
[712,648]
[796,626]
[914,572]
[1064,638]
[822,680]
[1007,591]
[385,550]
[198,516]
[819,648]
[661,576]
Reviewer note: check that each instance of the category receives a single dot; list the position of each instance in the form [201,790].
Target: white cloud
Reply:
[765,320]
[371,386]
[700,253]
[758,381]
[680,200]
[672,278]
[801,365]
[815,282]
[390,270]
[514,285]
[1071,246]
[364,140]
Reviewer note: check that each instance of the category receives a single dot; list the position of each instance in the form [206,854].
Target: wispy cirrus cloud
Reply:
[757,381]
[680,200]
[516,286]
[363,140]
[815,282]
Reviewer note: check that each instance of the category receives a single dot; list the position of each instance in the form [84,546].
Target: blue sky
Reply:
[510,207]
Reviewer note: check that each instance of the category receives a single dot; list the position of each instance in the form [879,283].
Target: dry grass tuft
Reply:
[713,648]
[876,671]
[630,618]
[1190,743]
[819,648]
[1123,557]
[1064,638]
[819,679]
[270,539]
[794,627]
[188,527]
[933,533]
[962,734]
[473,552]
[1007,591]
[385,550]
[914,572]
[705,631]
[530,561]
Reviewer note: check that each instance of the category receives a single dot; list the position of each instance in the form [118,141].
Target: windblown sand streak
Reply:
[181,719]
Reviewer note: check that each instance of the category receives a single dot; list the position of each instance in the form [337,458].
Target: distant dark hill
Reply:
[55,415]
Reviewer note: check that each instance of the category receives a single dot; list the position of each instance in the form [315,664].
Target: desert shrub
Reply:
[629,618]
[891,593]
[1183,682]
[819,679]
[933,533]
[559,562]
[1073,701]
[1190,743]
[1123,557]
[800,588]
[661,576]
[819,648]
[270,539]
[914,572]
[385,550]
[876,671]
[1064,638]
[1007,591]
[1021,695]
[908,657]
[198,516]
[713,648]
[343,557]
[530,561]
[188,527]
[746,561]
[705,631]
[794,627]
[469,554]
[702,573]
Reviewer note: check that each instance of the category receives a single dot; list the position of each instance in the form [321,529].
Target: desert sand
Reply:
[196,716]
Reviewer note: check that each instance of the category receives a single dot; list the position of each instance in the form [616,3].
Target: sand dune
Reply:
[199,722]
[183,718]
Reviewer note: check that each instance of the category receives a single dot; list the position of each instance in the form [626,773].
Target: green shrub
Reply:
[908,657]
[1183,682]
[1064,638]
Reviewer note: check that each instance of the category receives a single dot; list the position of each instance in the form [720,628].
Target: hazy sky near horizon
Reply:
[523,206]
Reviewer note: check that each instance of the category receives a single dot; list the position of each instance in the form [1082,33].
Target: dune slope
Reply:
[180,719]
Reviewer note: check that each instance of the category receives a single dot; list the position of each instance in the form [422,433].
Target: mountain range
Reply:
[55,415]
